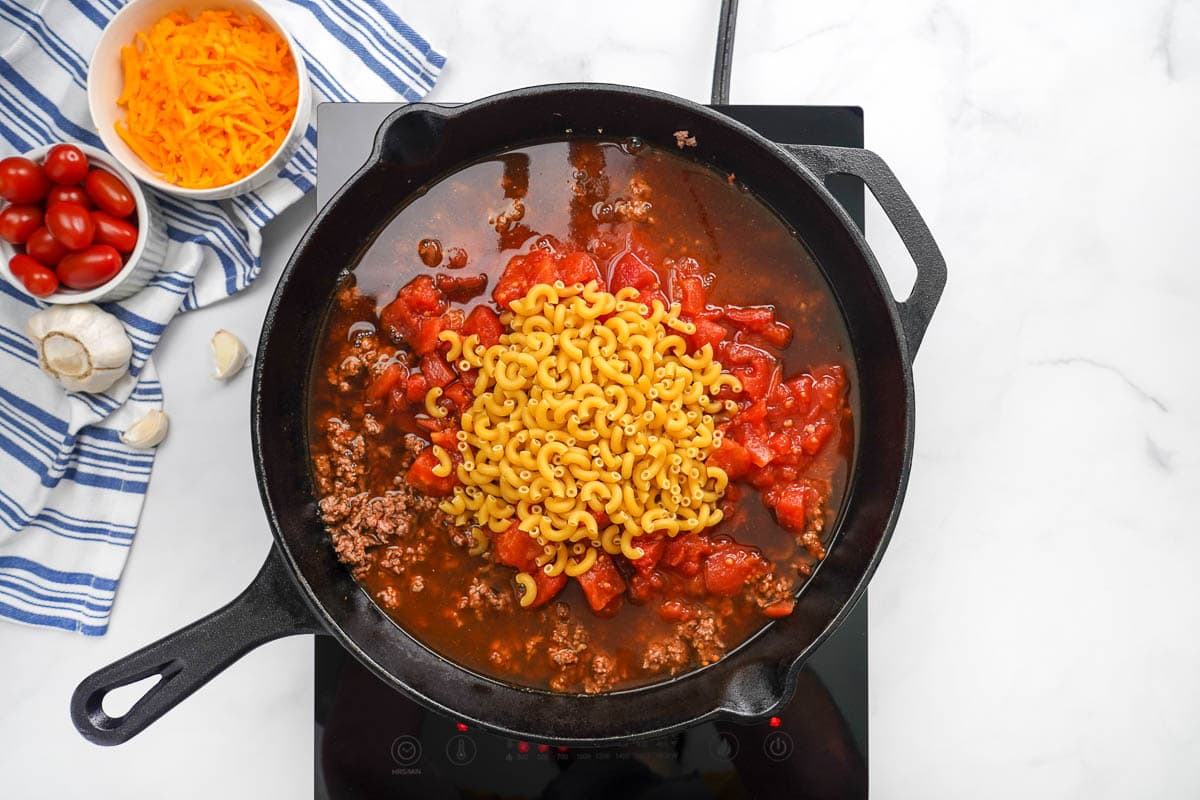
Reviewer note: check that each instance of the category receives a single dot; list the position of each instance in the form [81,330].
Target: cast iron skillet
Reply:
[302,588]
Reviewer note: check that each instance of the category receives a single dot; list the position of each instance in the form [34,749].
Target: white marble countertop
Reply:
[1021,643]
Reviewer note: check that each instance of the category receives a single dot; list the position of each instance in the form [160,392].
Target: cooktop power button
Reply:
[778,746]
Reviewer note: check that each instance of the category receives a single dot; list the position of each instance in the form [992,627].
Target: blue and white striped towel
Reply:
[70,491]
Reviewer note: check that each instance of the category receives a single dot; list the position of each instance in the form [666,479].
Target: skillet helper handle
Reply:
[270,608]
[915,311]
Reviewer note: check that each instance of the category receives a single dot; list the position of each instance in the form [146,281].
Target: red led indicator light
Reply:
[523,747]
[462,728]
[543,748]
[562,748]
[775,722]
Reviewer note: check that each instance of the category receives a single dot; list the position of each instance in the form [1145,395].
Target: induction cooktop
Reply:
[373,742]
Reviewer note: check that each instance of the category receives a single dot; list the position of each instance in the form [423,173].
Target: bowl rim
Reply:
[67,296]
[242,185]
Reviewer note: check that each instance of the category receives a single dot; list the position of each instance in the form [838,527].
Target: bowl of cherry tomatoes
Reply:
[75,226]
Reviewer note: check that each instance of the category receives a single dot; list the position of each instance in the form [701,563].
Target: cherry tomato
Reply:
[71,224]
[65,164]
[41,282]
[37,279]
[22,181]
[17,223]
[107,191]
[89,268]
[20,264]
[116,232]
[69,194]
[44,248]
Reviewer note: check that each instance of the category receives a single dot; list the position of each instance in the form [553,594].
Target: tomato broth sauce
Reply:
[606,199]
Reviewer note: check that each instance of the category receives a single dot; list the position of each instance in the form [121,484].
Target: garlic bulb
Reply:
[84,347]
[229,354]
[147,431]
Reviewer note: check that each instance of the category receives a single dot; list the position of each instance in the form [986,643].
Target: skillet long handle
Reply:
[270,608]
[916,311]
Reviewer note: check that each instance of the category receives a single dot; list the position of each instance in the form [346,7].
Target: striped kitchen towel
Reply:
[70,491]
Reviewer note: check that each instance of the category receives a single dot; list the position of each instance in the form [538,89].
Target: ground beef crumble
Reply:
[770,589]
[482,596]
[704,636]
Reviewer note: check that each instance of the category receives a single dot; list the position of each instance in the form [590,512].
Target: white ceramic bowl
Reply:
[144,262]
[105,81]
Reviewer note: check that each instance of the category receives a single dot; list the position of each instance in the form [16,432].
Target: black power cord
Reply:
[723,64]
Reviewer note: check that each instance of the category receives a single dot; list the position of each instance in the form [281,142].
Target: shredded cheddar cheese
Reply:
[208,100]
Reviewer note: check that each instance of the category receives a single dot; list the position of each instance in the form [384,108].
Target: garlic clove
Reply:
[229,354]
[147,431]
[82,346]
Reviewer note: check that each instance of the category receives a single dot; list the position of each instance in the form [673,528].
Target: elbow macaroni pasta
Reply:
[574,416]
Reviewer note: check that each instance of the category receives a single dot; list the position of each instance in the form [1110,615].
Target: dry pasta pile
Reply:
[575,417]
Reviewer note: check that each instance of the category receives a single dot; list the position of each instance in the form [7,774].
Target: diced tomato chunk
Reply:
[418,387]
[418,304]
[446,439]
[689,291]
[547,587]
[632,271]
[814,435]
[755,377]
[732,457]
[756,442]
[707,332]
[778,334]
[676,611]
[685,552]
[649,297]
[751,318]
[421,295]
[420,476]
[437,371]
[394,376]
[460,395]
[523,272]
[642,587]
[727,570]
[602,585]
[652,547]
[484,323]
[513,547]
[425,337]
[577,267]
[791,505]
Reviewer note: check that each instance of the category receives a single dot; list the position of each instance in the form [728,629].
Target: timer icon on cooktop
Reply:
[406,751]
[461,750]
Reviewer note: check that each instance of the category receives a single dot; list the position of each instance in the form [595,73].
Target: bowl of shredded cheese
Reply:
[200,99]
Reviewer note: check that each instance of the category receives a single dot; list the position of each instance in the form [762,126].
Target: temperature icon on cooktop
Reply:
[461,750]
